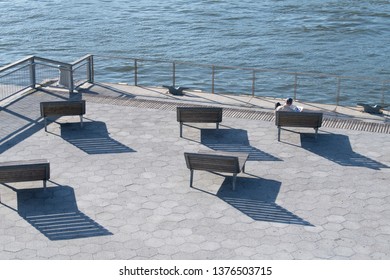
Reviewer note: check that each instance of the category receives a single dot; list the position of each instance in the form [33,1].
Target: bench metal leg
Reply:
[81,120]
[181,129]
[217,125]
[45,120]
[316,130]
[279,129]
[191,177]
[234,181]
[44,184]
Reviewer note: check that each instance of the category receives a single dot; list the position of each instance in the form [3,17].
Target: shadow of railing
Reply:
[105,90]
[21,118]
[233,140]
[16,134]
[93,138]
[53,211]
[337,148]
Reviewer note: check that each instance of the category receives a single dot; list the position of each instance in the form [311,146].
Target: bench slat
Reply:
[213,163]
[199,114]
[23,162]
[62,108]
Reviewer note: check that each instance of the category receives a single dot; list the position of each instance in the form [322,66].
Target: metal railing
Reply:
[16,77]
[276,83]
[323,88]
[33,71]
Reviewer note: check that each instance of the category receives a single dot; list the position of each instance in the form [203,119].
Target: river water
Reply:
[350,38]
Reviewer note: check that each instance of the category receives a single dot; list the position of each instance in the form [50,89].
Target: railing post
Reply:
[295,86]
[33,78]
[253,82]
[90,70]
[173,74]
[383,93]
[66,77]
[71,82]
[135,72]
[212,78]
[338,91]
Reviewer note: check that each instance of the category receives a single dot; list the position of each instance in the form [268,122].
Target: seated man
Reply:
[288,106]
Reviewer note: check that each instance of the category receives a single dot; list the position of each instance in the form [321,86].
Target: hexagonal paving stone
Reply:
[142,197]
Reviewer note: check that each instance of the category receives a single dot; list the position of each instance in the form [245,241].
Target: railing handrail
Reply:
[217,72]
[36,59]
[13,71]
[16,63]
[51,61]
[82,59]
[255,69]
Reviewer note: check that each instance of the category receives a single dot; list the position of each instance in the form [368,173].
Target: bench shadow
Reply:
[255,197]
[93,138]
[233,140]
[337,148]
[53,211]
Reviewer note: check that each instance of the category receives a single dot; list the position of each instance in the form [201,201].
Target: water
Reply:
[349,38]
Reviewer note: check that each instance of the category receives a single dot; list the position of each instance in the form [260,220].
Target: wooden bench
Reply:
[62,108]
[298,119]
[216,161]
[25,170]
[198,115]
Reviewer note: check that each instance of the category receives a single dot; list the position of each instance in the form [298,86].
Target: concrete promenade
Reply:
[119,187]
